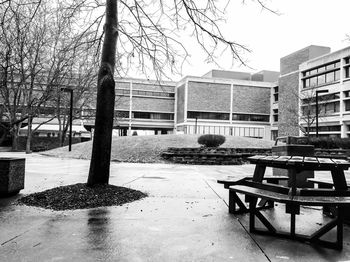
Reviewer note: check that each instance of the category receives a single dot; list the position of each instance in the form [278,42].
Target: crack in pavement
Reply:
[239,221]
[4,243]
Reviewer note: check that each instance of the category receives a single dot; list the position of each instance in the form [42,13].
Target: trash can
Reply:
[294,146]
[11,175]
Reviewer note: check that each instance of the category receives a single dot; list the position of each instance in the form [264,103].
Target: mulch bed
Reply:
[79,196]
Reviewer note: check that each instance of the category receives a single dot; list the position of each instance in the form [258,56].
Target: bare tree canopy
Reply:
[146,34]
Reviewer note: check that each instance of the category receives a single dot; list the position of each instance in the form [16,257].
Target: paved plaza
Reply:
[185,218]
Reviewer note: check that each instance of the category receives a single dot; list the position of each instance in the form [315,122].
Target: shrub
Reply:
[330,142]
[134,133]
[211,140]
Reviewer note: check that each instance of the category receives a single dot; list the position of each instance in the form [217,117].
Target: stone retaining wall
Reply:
[212,156]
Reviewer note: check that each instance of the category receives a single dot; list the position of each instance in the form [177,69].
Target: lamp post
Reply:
[318,92]
[70,90]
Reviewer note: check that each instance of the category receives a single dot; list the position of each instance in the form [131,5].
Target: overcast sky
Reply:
[301,23]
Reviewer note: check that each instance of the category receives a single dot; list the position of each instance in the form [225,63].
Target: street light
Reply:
[318,92]
[70,90]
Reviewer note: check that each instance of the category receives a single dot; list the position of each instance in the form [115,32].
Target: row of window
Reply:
[325,128]
[326,108]
[143,93]
[256,132]
[226,116]
[322,79]
[322,68]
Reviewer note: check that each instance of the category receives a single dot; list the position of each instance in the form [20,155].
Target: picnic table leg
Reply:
[340,223]
[258,176]
[232,201]
[339,180]
[259,173]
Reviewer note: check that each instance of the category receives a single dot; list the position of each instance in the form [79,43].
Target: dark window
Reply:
[152,93]
[208,115]
[250,117]
[151,115]
[121,114]
[347,105]
[347,72]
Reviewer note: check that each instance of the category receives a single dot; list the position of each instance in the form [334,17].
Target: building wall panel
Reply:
[152,104]
[180,104]
[250,99]
[210,97]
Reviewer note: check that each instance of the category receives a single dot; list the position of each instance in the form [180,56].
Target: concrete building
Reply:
[142,107]
[223,102]
[305,72]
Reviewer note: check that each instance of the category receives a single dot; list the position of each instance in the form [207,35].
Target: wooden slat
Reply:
[256,192]
[341,162]
[322,200]
[296,161]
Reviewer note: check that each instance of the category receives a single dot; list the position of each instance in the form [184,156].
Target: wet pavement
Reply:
[185,218]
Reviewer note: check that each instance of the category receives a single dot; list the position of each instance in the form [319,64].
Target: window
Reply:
[152,93]
[347,105]
[251,117]
[337,75]
[321,75]
[121,114]
[330,77]
[321,79]
[275,115]
[313,81]
[151,115]
[208,115]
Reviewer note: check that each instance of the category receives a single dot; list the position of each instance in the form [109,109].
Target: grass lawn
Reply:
[147,149]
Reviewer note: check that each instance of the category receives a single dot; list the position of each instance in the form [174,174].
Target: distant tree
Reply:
[306,109]
[43,48]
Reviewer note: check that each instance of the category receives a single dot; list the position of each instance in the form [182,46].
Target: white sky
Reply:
[301,23]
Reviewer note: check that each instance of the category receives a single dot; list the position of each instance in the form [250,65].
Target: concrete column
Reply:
[130,108]
[185,107]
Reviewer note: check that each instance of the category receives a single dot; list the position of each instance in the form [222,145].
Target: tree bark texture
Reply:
[102,140]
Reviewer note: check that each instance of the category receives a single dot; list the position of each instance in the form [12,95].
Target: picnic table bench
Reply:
[235,204]
[293,197]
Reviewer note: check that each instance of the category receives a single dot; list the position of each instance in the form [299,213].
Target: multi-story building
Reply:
[305,74]
[142,107]
[224,102]
[220,102]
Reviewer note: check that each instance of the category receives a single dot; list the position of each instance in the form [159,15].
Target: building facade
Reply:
[305,74]
[221,102]
[232,104]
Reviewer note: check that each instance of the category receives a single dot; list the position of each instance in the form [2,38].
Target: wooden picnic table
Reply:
[293,197]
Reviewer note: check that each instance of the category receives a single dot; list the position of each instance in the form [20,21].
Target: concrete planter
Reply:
[11,175]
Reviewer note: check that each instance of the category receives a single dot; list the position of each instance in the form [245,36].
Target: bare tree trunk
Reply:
[101,149]
[29,135]
[15,138]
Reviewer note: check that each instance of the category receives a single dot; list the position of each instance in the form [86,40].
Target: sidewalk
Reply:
[185,218]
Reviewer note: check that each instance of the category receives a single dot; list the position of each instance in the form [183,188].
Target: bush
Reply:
[211,140]
[330,142]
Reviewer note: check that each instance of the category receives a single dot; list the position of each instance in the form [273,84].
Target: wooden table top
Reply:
[315,163]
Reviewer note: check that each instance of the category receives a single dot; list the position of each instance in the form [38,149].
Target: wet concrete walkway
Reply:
[185,218]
